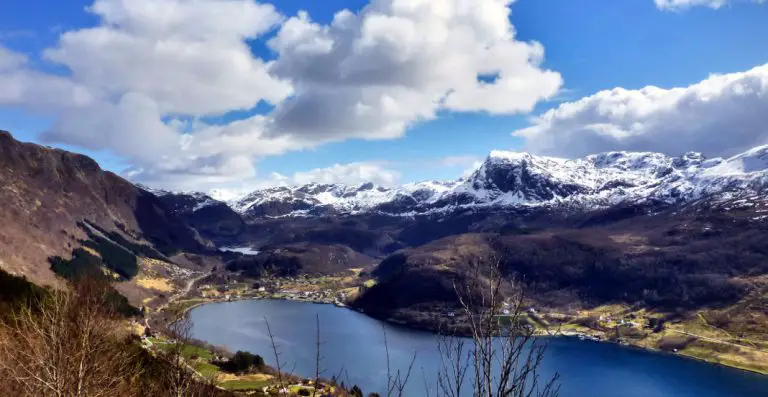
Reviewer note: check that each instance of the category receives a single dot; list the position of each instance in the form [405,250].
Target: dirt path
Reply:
[708,339]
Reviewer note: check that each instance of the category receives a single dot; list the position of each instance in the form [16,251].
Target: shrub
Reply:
[243,361]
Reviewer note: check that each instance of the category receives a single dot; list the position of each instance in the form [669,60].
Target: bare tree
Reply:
[501,358]
[278,354]
[396,383]
[69,343]
[318,358]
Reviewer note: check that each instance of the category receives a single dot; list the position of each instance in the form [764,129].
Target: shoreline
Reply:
[415,327]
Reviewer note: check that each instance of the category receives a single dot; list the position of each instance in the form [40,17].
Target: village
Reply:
[335,289]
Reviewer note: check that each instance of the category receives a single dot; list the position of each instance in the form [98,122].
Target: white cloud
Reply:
[722,115]
[350,174]
[140,81]
[371,75]
[10,60]
[151,61]
[38,91]
[239,184]
[675,5]
[189,57]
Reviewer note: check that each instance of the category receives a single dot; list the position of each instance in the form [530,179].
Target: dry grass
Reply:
[157,284]
[730,355]
[707,342]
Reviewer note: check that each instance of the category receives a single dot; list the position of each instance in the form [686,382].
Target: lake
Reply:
[354,342]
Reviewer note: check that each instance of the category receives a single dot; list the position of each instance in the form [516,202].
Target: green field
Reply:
[245,384]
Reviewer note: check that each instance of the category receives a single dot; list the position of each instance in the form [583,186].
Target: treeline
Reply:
[688,276]
[266,265]
[115,252]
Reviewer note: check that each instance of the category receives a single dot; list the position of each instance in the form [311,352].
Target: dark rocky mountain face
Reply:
[522,177]
[213,219]
[46,192]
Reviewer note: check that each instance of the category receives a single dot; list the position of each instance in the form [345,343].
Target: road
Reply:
[184,292]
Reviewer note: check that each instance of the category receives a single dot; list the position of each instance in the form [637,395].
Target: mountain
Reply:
[682,262]
[508,191]
[522,180]
[213,219]
[53,201]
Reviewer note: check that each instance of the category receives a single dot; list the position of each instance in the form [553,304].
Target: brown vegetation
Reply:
[46,192]
[72,343]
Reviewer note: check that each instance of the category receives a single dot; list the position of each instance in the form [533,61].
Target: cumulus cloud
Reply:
[10,60]
[371,75]
[38,91]
[722,115]
[140,81]
[676,5]
[189,57]
[144,79]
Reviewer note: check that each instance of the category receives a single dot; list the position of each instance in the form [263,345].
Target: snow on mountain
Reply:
[183,202]
[510,179]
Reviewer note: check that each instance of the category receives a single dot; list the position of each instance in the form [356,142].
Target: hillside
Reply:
[62,216]
[699,271]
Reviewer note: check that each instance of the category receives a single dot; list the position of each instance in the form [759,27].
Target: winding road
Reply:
[187,289]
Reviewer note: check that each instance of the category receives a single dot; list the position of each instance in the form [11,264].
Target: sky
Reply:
[228,96]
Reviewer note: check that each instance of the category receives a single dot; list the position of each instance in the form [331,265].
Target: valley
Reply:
[662,253]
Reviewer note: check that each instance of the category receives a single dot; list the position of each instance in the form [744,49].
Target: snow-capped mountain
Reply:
[184,202]
[509,179]
[207,215]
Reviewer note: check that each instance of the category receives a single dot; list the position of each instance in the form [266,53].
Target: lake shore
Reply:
[758,364]
[354,340]
[583,333]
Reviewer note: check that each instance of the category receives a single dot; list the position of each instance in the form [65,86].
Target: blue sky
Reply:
[594,45]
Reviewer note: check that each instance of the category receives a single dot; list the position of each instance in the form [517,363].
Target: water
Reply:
[354,342]
[241,250]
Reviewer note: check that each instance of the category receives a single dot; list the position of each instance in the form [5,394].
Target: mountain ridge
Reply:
[516,179]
